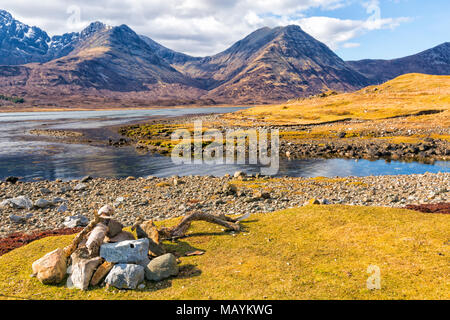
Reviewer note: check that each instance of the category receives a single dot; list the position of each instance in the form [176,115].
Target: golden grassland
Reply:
[405,95]
[312,252]
[383,113]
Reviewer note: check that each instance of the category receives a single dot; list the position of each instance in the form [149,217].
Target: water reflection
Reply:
[109,162]
[52,160]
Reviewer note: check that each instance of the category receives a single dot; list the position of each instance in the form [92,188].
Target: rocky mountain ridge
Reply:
[114,66]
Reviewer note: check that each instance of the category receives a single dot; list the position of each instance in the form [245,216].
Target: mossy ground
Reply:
[313,252]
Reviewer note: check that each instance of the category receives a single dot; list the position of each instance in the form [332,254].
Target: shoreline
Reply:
[300,142]
[37,109]
[50,204]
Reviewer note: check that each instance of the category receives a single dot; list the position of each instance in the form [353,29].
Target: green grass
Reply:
[13,99]
[313,252]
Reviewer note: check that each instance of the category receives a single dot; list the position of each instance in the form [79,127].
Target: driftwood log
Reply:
[82,235]
[147,229]
[96,238]
[180,229]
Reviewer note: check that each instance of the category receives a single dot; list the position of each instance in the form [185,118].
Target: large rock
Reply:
[51,268]
[123,236]
[161,268]
[126,276]
[148,230]
[133,251]
[101,272]
[114,227]
[20,202]
[82,272]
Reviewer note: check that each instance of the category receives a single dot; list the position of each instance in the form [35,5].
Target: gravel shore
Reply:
[50,204]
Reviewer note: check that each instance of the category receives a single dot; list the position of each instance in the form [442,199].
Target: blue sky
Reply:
[353,29]
[429,25]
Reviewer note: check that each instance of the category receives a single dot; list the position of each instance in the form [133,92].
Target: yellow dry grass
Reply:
[404,95]
[312,252]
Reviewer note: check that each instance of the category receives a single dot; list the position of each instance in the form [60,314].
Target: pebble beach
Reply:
[47,205]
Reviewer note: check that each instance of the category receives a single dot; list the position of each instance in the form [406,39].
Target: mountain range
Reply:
[114,66]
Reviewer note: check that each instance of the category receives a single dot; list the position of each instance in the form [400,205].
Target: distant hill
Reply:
[405,95]
[273,65]
[113,66]
[108,64]
[433,61]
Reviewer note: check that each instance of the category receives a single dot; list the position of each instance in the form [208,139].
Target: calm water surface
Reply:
[29,157]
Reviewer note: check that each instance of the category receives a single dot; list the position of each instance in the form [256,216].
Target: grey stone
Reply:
[44,191]
[17,219]
[69,283]
[82,272]
[75,221]
[161,267]
[132,251]
[80,187]
[5,204]
[20,202]
[62,208]
[86,179]
[59,200]
[65,189]
[144,262]
[125,276]
[42,203]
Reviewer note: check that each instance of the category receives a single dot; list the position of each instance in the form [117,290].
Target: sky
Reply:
[355,30]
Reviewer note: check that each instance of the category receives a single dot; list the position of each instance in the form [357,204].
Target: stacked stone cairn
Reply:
[104,253]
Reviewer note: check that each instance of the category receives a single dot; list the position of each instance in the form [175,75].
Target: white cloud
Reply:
[334,31]
[200,27]
[349,45]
